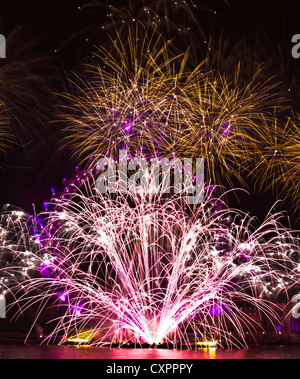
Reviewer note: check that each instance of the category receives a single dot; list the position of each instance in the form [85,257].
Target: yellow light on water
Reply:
[204,344]
[81,338]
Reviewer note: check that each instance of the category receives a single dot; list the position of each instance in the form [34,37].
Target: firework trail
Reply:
[5,134]
[18,244]
[275,152]
[147,268]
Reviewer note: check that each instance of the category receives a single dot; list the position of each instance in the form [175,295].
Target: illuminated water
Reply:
[20,351]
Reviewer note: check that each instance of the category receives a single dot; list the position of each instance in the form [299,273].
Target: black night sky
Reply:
[47,40]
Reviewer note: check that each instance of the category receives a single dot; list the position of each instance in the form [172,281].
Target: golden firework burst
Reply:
[142,98]
[5,135]
[277,158]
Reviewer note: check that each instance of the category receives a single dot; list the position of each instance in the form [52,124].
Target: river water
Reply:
[35,351]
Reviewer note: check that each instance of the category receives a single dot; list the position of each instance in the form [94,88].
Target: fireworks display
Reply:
[142,98]
[144,266]
[5,135]
[276,158]
[147,268]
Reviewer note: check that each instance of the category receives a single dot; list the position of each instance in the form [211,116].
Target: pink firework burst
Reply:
[148,268]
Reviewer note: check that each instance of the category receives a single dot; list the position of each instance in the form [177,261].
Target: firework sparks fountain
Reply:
[147,267]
